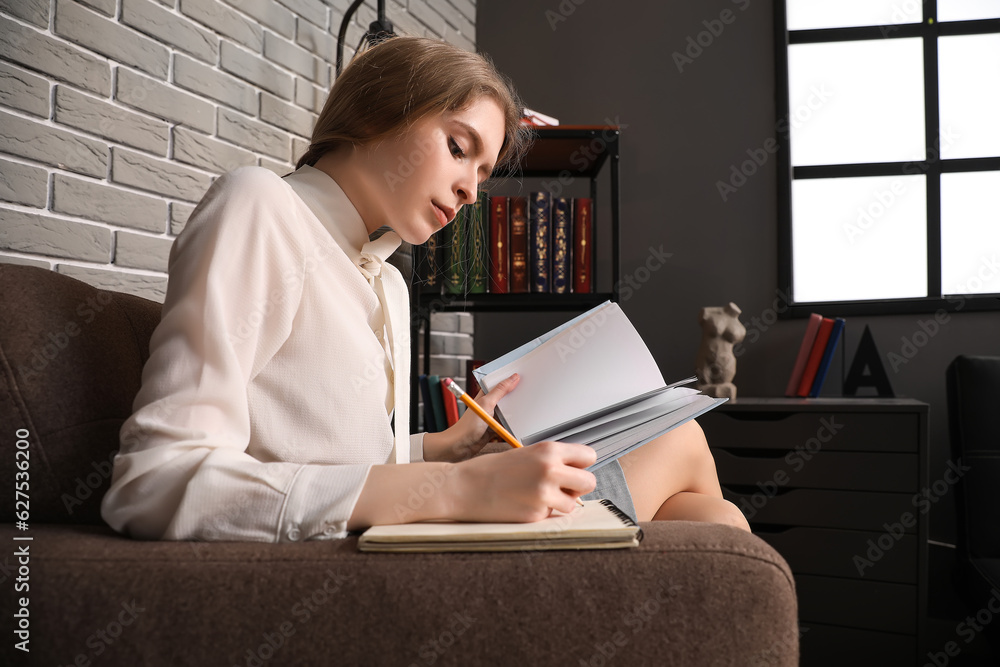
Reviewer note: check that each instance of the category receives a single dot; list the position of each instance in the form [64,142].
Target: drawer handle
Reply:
[749,490]
[753,453]
[758,416]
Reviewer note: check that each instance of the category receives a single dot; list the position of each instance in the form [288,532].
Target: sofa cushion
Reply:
[71,359]
[690,594]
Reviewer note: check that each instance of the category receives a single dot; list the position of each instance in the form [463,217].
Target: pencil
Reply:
[490,421]
[482,414]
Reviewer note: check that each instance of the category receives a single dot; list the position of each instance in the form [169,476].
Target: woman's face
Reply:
[426,176]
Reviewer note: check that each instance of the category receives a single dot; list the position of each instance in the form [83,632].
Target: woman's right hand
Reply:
[524,484]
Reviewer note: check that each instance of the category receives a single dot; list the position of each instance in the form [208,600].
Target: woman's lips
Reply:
[444,215]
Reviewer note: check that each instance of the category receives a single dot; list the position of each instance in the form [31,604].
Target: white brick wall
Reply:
[117,115]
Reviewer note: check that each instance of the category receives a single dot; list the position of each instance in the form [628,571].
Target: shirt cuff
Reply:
[416,447]
[320,502]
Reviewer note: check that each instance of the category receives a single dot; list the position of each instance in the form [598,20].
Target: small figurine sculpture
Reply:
[716,364]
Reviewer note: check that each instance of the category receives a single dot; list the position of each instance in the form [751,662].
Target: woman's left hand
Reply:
[470,434]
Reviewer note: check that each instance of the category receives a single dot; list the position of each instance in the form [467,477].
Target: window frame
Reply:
[931,166]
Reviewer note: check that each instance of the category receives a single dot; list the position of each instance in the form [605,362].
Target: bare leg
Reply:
[674,477]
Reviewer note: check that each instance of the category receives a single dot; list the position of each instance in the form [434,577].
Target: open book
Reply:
[596,525]
[591,381]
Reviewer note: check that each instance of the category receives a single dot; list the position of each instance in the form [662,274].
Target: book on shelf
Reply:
[598,524]
[824,364]
[454,255]
[437,402]
[518,209]
[477,236]
[428,267]
[537,118]
[430,424]
[450,406]
[583,246]
[539,240]
[499,246]
[562,248]
[591,381]
[815,357]
[513,245]
[471,383]
[812,327]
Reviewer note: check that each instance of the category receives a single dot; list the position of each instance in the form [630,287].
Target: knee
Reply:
[729,514]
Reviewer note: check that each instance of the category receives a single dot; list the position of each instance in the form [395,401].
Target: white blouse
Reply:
[266,398]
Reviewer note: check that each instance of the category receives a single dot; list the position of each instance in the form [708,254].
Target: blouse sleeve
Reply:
[183,471]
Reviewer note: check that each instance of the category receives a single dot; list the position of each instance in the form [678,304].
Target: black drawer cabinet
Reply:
[834,486]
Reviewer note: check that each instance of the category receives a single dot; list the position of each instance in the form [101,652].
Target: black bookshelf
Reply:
[577,151]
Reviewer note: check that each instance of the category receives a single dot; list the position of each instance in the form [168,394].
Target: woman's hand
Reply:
[517,485]
[470,434]
[523,484]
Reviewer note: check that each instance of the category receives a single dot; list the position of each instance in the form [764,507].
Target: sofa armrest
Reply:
[690,594]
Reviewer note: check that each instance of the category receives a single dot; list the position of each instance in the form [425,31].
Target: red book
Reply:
[499,246]
[450,406]
[804,350]
[472,387]
[519,244]
[583,246]
[815,357]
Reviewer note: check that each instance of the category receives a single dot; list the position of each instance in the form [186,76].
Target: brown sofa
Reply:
[70,364]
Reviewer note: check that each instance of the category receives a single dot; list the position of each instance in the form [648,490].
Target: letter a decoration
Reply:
[867,358]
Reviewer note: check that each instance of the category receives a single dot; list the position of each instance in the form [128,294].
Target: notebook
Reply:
[599,524]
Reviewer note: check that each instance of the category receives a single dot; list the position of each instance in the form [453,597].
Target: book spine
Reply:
[815,357]
[562,212]
[437,401]
[472,387]
[499,246]
[540,235]
[583,247]
[791,390]
[519,245]
[454,254]
[479,250]
[824,364]
[425,393]
[450,406]
[431,264]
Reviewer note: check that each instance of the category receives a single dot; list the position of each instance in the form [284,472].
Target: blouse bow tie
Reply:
[394,298]
[375,253]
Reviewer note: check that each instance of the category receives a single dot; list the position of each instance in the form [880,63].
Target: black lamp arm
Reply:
[378,29]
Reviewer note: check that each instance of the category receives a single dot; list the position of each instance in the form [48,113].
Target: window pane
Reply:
[967,10]
[858,101]
[859,238]
[969,93]
[809,14]
[970,233]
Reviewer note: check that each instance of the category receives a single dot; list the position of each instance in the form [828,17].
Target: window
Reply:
[889,174]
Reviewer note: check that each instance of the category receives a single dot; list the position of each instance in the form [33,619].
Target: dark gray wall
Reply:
[683,131]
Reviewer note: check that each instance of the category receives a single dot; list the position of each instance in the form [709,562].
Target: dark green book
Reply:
[429,265]
[437,402]
[454,254]
[479,249]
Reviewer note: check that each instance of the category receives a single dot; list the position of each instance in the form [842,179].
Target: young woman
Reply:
[265,411]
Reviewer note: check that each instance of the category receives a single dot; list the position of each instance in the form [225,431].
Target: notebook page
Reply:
[592,520]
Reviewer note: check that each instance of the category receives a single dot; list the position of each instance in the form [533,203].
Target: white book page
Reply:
[639,413]
[599,361]
[622,443]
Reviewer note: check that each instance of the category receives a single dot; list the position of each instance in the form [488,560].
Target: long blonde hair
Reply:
[394,84]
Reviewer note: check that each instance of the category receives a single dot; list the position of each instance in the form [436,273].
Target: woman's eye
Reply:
[456,150]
